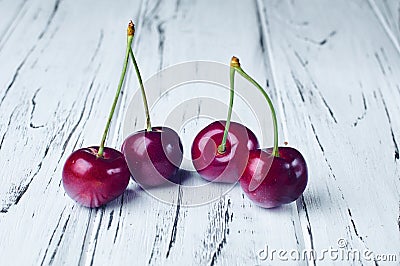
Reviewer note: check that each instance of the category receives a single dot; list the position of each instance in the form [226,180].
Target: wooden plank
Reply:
[12,12]
[337,74]
[388,13]
[17,49]
[52,104]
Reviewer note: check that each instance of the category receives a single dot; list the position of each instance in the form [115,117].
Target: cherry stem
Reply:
[222,147]
[118,92]
[144,98]
[275,151]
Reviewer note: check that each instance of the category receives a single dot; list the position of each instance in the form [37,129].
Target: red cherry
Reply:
[272,181]
[94,181]
[153,157]
[228,166]
[96,175]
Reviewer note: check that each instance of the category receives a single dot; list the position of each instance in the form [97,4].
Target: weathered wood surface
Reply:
[334,73]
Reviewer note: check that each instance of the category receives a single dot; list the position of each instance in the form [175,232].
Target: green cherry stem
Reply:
[144,98]
[275,151]
[118,92]
[234,62]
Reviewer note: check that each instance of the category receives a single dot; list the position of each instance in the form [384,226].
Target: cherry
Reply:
[221,149]
[274,176]
[96,175]
[227,166]
[271,181]
[93,181]
[153,155]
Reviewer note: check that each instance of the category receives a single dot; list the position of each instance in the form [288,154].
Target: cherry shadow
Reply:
[181,176]
[132,193]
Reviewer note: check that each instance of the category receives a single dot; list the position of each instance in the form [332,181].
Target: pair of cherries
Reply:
[269,177]
[96,175]
[224,151]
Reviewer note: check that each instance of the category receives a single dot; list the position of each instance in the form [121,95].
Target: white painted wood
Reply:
[339,91]
[388,13]
[333,71]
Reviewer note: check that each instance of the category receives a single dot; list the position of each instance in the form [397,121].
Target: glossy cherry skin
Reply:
[224,167]
[272,181]
[153,157]
[94,181]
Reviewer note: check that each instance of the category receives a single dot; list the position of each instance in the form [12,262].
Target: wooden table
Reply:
[333,69]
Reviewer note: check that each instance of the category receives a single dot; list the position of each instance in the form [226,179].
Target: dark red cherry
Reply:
[94,181]
[228,166]
[153,157]
[272,181]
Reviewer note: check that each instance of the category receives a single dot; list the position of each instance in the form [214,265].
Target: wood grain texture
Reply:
[333,69]
[388,13]
[339,85]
